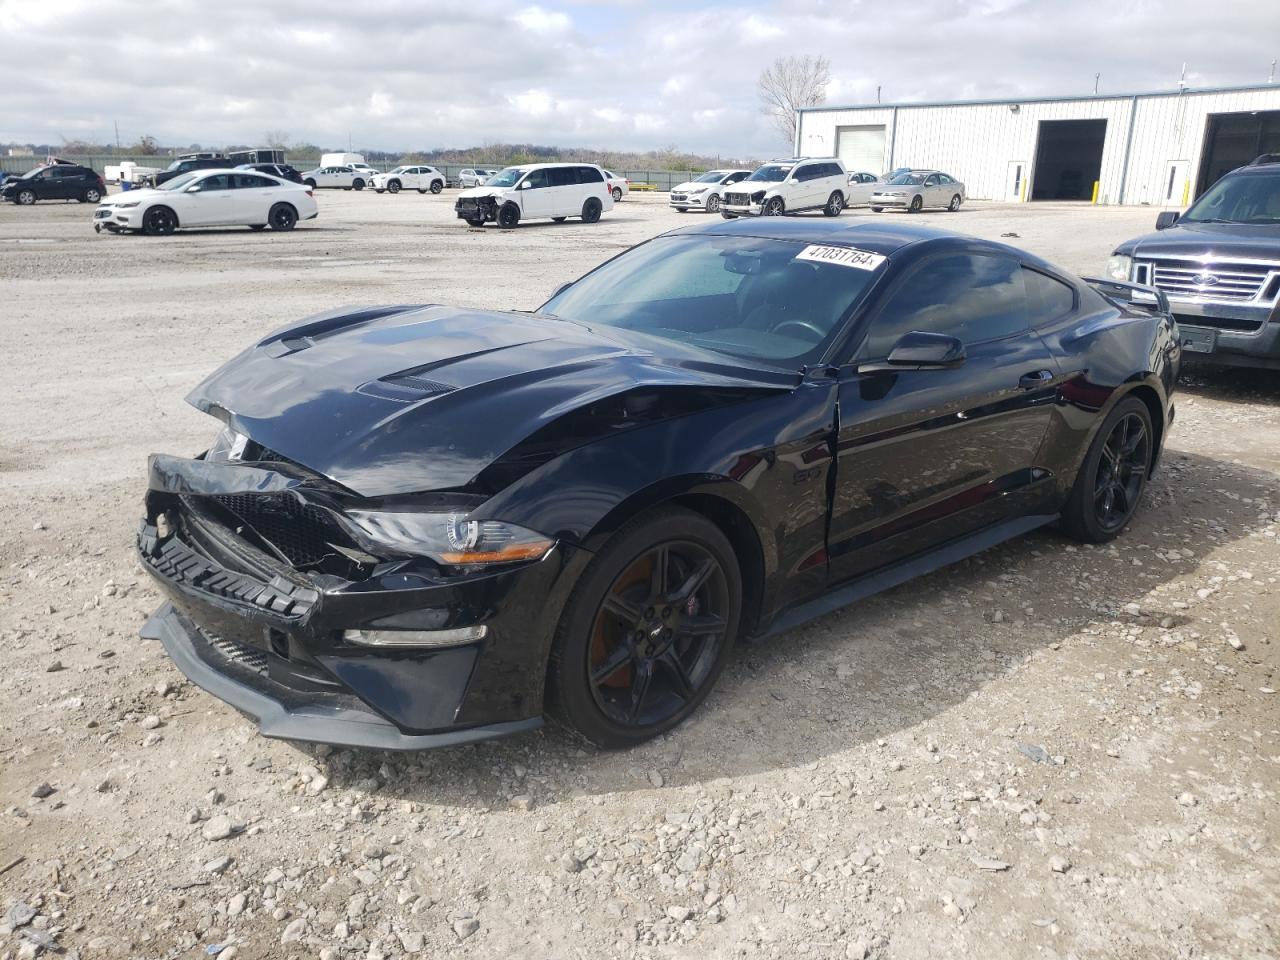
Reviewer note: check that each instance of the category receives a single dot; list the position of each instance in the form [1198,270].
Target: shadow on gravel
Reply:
[1231,384]
[872,669]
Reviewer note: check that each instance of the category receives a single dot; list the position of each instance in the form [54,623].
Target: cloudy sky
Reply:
[629,74]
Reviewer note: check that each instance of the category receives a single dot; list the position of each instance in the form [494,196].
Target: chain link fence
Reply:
[661,180]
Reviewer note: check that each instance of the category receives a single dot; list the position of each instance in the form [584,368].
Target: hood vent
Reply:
[406,388]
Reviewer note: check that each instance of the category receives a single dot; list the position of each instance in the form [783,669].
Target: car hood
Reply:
[483,191]
[690,186]
[1196,240]
[398,400]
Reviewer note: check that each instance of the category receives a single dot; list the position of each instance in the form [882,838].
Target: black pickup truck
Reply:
[1219,265]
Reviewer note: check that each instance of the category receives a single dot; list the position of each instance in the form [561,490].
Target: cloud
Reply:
[413,74]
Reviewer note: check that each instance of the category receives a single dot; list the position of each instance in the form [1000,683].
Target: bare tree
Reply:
[788,85]
[276,139]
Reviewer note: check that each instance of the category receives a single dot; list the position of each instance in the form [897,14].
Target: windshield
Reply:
[779,301]
[908,179]
[178,183]
[771,173]
[711,176]
[1245,198]
[174,166]
[507,178]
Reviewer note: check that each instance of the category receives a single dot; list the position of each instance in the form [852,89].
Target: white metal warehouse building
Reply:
[1155,148]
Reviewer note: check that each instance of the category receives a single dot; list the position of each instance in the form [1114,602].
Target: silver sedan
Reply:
[914,190]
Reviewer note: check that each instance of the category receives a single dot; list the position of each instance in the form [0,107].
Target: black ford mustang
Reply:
[421,525]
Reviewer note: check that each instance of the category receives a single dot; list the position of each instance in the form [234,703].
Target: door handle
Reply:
[1037,378]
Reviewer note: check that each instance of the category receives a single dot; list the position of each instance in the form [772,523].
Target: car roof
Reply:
[562,163]
[876,237]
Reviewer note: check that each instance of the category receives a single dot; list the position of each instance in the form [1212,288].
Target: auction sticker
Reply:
[841,256]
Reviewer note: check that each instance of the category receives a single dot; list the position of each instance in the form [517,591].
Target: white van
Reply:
[342,159]
[537,191]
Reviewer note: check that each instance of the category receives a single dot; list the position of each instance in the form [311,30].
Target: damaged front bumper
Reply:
[270,636]
[476,209]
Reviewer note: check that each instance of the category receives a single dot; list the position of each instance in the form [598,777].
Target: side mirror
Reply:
[523,185]
[918,350]
[1166,219]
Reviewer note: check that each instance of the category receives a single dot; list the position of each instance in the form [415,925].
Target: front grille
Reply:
[679,196]
[1211,281]
[738,199]
[468,204]
[301,532]
[246,656]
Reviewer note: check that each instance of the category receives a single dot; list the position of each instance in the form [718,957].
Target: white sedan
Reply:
[861,186]
[618,186]
[344,177]
[421,179]
[208,198]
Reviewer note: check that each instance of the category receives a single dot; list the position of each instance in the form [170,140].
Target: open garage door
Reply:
[1068,159]
[1233,139]
[861,148]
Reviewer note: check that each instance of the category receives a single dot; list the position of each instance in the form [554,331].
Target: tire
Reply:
[1108,488]
[437,186]
[508,216]
[357,184]
[475,223]
[917,204]
[159,222]
[26,197]
[623,613]
[591,210]
[713,205]
[617,194]
[393,186]
[378,190]
[257,226]
[877,209]
[92,195]
[310,184]
[282,217]
[954,205]
[728,216]
[835,204]
[559,219]
[774,207]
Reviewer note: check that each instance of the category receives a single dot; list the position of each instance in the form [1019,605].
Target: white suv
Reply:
[344,177]
[789,186]
[536,191]
[421,179]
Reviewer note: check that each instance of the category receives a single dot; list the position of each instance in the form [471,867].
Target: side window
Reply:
[973,297]
[833,170]
[562,176]
[590,175]
[801,174]
[931,180]
[221,181]
[1048,299]
[536,180]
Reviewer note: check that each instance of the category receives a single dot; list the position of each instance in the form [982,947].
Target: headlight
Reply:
[758,197]
[451,538]
[126,206]
[227,445]
[1118,266]
[697,190]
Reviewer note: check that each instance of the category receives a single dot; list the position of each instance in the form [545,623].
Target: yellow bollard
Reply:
[1095,192]
[1186,191]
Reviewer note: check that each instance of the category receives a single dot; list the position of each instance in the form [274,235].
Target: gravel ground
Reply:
[1045,751]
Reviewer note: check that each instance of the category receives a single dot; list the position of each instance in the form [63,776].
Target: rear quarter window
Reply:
[1048,299]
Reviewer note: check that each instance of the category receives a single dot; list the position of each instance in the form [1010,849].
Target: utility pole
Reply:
[1272,77]
[1096,78]
[877,93]
[117,123]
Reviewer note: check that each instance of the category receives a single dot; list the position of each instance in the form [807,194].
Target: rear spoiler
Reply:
[1131,293]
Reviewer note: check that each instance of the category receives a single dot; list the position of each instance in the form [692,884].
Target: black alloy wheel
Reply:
[591,210]
[917,204]
[1114,473]
[437,186]
[648,629]
[774,207]
[393,186]
[159,221]
[282,217]
[508,216]
[357,184]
